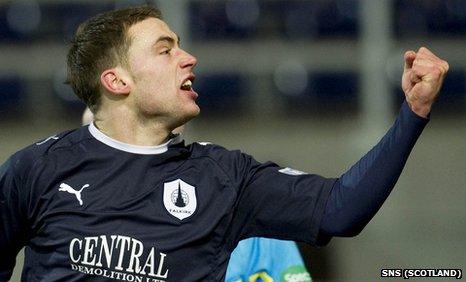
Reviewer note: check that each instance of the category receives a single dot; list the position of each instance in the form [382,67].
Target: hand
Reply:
[422,79]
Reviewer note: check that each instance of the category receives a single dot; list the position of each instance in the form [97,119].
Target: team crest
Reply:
[179,198]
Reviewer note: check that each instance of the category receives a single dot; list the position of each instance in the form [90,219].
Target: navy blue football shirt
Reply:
[90,208]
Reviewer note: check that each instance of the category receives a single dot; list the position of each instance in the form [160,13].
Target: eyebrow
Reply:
[168,39]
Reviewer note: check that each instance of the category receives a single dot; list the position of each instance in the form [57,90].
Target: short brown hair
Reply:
[101,42]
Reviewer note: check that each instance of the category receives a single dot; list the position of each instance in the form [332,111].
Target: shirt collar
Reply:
[135,149]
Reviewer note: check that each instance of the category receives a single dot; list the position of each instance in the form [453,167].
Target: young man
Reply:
[256,258]
[125,199]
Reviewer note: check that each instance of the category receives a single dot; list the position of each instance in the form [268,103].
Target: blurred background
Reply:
[308,84]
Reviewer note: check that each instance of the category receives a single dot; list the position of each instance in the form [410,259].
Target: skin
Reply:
[422,79]
[143,102]
[88,117]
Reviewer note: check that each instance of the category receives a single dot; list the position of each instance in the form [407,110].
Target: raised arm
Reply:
[359,193]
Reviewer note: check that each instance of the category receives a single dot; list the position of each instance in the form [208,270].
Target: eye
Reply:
[166,52]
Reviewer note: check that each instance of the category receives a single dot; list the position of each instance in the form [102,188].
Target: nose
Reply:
[188,60]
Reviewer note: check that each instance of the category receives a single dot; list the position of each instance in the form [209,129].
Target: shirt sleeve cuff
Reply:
[406,111]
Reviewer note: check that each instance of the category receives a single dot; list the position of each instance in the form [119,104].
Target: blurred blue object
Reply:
[334,87]
[11,93]
[314,19]
[421,18]
[47,20]
[239,19]
[6,33]
[326,91]
[64,18]
[267,260]
[220,92]
[209,20]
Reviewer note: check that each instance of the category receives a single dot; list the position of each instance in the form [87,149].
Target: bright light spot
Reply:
[291,78]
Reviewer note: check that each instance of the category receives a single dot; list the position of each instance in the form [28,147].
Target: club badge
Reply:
[179,198]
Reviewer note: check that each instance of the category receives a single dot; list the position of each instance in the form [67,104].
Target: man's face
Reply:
[161,72]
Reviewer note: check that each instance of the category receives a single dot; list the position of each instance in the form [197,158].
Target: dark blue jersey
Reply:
[90,208]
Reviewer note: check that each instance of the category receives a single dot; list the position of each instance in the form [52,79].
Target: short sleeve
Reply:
[12,221]
[280,203]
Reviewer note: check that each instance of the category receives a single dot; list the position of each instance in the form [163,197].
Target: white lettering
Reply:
[124,244]
[149,263]
[104,247]
[130,278]
[98,271]
[159,271]
[80,242]
[89,255]
[297,277]
[132,256]
[86,270]
[119,274]
[105,273]
[136,252]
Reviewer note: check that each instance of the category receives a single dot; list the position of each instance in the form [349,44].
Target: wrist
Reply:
[420,109]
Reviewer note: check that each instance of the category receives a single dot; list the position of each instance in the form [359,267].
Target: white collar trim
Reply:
[135,149]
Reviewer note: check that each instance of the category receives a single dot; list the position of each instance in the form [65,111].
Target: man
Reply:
[257,258]
[125,199]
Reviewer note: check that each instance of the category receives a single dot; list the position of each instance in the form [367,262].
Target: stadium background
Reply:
[308,84]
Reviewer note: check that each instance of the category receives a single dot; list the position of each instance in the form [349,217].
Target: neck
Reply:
[126,126]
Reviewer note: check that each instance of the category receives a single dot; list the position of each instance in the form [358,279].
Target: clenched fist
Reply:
[422,79]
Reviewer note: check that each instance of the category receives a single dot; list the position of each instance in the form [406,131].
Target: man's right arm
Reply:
[13,231]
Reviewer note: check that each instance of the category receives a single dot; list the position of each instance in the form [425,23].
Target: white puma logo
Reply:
[67,188]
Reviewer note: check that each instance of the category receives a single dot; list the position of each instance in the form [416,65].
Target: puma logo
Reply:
[67,188]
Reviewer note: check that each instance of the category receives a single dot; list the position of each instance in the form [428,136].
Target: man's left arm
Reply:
[287,204]
[359,193]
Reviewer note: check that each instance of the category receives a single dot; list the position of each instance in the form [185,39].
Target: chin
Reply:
[192,110]
[188,115]
[193,113]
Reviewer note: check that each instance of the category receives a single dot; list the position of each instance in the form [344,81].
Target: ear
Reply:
[115,81]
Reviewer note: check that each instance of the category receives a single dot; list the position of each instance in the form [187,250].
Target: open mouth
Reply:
[188,83]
